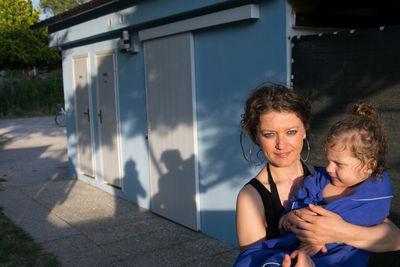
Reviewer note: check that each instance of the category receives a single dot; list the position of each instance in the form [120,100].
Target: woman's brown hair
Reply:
[271,97]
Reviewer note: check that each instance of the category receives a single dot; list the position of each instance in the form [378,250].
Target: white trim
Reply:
[271,263]
[117,120]
[371,199]
[245,12]
[89,84]
[195,137]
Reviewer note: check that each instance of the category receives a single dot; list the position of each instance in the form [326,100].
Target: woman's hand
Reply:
[322,227]
[302,259]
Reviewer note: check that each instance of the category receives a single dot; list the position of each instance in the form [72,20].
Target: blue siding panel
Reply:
[230,61]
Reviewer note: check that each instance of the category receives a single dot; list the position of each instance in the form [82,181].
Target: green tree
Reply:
[56,7]
[21,47]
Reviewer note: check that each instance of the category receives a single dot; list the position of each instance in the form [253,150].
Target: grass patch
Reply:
[17,248]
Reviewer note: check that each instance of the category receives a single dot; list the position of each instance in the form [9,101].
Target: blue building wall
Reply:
[230,60]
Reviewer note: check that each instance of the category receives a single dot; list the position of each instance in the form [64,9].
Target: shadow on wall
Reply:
[131,180]
[178,173]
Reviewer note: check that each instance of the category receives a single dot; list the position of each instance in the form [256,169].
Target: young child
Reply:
[353,184]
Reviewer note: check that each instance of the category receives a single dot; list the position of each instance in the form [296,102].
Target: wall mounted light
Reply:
[129,42]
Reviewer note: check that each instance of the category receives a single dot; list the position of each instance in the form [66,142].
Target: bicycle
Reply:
[60,116]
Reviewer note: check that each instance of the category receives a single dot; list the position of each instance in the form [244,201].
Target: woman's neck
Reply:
[288,173]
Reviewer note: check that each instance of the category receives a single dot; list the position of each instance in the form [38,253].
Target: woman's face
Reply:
[280,135]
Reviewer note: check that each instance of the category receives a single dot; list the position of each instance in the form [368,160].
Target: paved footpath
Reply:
[81,224]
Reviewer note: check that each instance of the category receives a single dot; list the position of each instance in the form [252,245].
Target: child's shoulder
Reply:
[378,186]
[319,178]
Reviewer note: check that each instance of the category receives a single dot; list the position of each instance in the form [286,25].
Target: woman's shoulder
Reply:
[249,196]
[250,216]
[248,191]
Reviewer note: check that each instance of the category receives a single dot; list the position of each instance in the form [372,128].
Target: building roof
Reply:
[87,7]
[97,8]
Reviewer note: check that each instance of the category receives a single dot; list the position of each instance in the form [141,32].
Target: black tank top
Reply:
[271,201]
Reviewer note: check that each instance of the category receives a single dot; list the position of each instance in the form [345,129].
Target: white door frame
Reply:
[117,121]
[77,57]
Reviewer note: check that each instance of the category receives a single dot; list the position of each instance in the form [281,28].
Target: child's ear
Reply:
[371,166]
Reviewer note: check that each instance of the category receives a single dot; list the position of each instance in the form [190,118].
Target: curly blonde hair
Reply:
[363,134]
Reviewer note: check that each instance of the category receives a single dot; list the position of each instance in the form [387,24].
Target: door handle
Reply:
[100,114]
[88,115]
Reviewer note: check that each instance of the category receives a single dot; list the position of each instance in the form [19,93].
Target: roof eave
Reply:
[73,12]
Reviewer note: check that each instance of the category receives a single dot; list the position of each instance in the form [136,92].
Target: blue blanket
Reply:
[367,205]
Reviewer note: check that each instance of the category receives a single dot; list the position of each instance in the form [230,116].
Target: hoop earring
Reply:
[308,150]
[258,156]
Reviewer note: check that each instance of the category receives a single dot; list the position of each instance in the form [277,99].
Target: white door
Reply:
[107,117]
[172,138]
[83,115]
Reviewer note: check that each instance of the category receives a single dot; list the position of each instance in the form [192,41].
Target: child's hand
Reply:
[284,222]
[301,259]
[288,220]
[312,249]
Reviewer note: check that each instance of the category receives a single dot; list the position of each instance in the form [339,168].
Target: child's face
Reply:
[344,169]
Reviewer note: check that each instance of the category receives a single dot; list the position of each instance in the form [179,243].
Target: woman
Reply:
[277,121]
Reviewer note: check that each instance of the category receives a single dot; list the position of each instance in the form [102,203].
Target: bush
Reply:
[22,96]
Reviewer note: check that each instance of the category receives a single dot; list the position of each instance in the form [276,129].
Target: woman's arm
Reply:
[250,218]
[330,227]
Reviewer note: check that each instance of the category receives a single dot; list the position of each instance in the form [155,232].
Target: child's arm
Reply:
[330,227]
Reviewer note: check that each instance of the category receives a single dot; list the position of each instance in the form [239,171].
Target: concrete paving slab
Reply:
[202,251]
[81,224]
[114,232]
[151,241]
[77,250]
[220,260]
[33,217]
